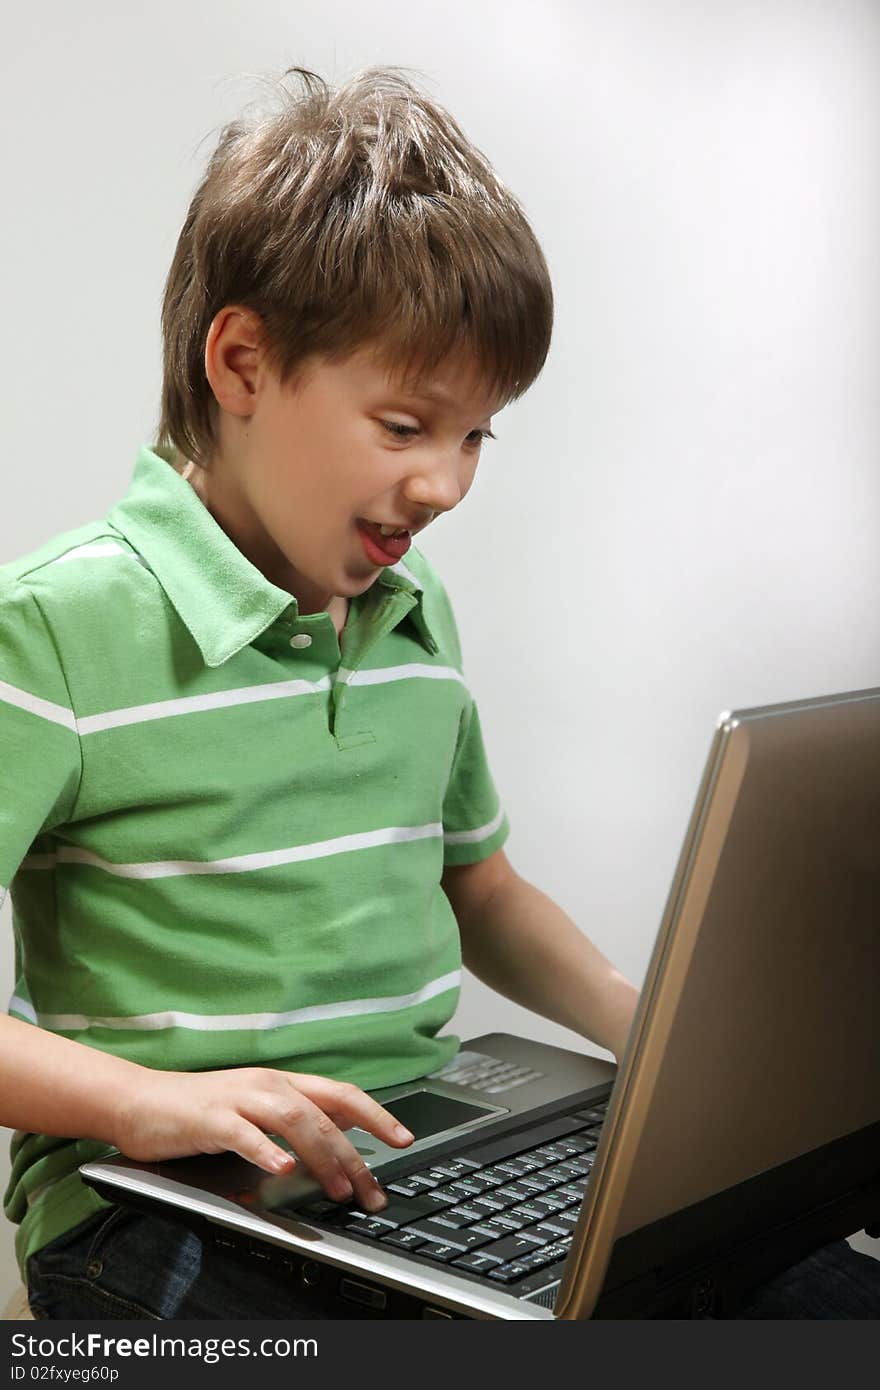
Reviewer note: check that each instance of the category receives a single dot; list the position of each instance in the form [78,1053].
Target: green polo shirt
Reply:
[223,837]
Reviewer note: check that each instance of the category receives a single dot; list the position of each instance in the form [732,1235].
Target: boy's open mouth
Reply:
[382,550]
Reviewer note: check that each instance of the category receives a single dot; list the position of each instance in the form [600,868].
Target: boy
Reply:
[244,777]
[247,817]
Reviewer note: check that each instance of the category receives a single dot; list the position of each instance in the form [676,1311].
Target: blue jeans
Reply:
[122,1263]
[126,1264]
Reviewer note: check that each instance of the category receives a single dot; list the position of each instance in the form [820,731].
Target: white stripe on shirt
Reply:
[44,709]
[191,704]
[219,699]
[217,1023]
[470,837]
[400,568]
[242,863]
[94,550]
[413,670]
[21,1006]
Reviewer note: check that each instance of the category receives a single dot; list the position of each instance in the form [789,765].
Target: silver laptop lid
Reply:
[756,1037]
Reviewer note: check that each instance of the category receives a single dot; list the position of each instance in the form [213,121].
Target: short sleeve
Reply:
[474,823]
[39,745]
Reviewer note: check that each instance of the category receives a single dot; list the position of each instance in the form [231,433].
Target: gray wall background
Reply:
[681,515]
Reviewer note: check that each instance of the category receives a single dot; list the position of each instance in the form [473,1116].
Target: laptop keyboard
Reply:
[504,1210]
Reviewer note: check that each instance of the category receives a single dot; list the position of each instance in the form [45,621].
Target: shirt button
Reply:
[300,639]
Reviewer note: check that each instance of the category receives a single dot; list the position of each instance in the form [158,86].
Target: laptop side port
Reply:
[367,1294]
[429,1312]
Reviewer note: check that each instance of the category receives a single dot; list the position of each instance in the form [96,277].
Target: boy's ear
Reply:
[233,358]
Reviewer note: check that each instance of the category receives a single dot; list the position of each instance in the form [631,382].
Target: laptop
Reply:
[741,1130]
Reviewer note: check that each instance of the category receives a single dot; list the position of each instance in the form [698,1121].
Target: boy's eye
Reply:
[401,431]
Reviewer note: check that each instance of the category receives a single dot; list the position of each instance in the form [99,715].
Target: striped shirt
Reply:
[224,837]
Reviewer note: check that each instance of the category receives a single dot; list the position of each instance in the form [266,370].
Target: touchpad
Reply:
[426,1112]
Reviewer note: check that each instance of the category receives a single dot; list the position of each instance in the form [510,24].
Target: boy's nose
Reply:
[437,486]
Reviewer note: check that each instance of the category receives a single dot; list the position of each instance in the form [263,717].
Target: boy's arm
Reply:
[521,943]
[54,1085]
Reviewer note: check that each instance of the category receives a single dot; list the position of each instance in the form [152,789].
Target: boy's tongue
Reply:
[394,547]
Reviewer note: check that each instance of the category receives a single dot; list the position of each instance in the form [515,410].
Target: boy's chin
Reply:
[350,585]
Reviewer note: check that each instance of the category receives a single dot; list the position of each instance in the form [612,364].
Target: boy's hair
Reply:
[361,217]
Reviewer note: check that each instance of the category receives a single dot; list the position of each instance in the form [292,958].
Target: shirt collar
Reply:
[224,601]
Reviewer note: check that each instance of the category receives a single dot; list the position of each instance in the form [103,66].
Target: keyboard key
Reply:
[515,1246]
[571,1168]
[507,1221]
[567,1218]
[432,1230]
[573,1195]
[454,1167]
[490,1202]
[407,1239]
[433,1250]
[578,1144]
[495,1175]
[401,1210]
[596,1113]
[530,1211]
[487,1204]
[441,1174]
[550,1203]
[367,1225]
[403,1187]
[441,1199]
[485,1228]
[516,1168]
[553,1229]
[478,1182]
[559,1250]
[579,1167]
[477,1260]
[546,1256]
[462,1189]
[542,1182]
[551,1152]
[460,1216]
[466,1237]
[505,1274]
[513,1219]
[514,1191]
[528,1163]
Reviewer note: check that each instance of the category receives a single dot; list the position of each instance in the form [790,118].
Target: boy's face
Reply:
[305,475]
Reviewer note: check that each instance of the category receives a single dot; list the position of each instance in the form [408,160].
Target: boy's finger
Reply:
[348,1105]
[333,1160]
[251,1143]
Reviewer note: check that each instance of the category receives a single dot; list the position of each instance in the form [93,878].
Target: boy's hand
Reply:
[176,1114]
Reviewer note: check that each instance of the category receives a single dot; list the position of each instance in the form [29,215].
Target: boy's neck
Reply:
[336,605]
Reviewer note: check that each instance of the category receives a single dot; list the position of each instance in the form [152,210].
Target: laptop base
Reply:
[704,1261]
